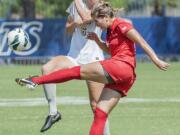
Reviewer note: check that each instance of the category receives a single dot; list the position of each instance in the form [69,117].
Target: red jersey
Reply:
[121,47]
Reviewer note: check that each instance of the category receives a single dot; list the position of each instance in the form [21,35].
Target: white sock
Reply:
[106,128]
[50,93]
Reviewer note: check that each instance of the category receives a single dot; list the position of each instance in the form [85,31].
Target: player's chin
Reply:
[103,28]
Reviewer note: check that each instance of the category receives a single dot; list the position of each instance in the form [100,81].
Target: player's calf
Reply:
[98,125]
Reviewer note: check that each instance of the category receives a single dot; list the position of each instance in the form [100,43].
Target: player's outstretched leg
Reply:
[93,72]
[54,77]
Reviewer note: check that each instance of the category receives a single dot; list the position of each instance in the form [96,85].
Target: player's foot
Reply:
[26,82]
[50,120]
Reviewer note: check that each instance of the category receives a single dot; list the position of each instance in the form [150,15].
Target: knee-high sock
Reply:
[50,93]
[59,76]
[106,128]
[100,118]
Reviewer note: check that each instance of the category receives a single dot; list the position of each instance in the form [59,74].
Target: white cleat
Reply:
[27,82]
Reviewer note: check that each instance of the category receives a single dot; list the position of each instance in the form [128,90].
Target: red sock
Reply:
[59,76]
[99,122]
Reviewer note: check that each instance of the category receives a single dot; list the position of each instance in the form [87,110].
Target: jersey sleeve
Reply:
[71,9]
[125,26]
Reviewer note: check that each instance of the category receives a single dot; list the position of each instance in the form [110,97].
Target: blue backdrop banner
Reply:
[163,34]
[48,36]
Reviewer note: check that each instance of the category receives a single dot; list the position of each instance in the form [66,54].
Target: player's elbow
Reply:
[69,30]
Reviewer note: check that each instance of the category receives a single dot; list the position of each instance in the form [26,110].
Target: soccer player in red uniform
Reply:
[117,72]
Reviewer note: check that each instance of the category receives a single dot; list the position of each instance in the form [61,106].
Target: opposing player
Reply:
[82,51]
[117,72]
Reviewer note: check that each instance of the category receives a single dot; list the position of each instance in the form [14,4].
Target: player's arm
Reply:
[100,43]
[71,24]
[137,38]
[84,14]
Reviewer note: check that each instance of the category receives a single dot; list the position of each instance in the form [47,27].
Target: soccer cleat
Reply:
[50,120]
[27,82]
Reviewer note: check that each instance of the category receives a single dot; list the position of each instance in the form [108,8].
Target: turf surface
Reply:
[143,118]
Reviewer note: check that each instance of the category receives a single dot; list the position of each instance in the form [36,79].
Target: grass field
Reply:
[159,115]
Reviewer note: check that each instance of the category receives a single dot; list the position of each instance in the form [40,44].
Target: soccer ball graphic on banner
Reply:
[18,40]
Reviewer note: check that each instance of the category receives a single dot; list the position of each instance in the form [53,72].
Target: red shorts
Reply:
[122,73]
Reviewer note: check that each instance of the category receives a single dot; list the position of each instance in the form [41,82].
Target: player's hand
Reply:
[162,64]
[92,36]
[78,23]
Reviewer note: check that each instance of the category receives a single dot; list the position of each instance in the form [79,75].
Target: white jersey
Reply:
[83,50]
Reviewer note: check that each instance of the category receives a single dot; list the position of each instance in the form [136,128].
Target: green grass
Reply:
[126,119]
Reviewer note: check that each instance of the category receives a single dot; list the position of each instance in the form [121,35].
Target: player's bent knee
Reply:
[93,105]
[87,72]
[45,69]
[83,72]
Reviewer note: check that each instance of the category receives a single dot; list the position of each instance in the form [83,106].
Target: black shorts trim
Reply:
[108,77]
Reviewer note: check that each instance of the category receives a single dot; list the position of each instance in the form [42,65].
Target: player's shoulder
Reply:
[124,21]
[124,24]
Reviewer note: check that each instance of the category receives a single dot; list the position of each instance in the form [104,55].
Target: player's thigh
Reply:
[58,62]
[95,90]
[108,99]
[93,72]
